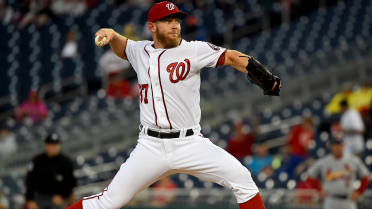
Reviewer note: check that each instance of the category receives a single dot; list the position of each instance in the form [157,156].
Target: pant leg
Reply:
[203,159]
[144,166]
[332,203]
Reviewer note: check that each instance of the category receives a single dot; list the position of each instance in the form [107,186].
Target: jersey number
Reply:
[144,88]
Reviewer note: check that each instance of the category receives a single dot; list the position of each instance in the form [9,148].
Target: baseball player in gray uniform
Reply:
[337,173]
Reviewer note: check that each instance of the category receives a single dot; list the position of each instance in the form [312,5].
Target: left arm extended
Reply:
[236,60]
[257,73]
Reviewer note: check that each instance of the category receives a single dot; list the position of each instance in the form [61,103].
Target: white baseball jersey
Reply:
[170,81]
[169,100]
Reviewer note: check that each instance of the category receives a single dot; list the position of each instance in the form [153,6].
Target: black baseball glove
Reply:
[262,77]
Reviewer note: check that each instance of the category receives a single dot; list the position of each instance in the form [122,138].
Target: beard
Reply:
[168,42]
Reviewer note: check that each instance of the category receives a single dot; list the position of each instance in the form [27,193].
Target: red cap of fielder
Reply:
[164,9]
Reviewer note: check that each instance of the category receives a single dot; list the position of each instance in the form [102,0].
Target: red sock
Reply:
[254,203]
[76,205]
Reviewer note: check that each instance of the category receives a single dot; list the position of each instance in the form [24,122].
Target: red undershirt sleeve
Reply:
[221,60]
[363,185]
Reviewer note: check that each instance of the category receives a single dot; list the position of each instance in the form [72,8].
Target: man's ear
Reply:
[151,26]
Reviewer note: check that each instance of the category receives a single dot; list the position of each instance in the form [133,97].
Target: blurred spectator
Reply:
[110,63]
[300,138]
[240,145]
[293,155]
[50,179]
[146,33]
[164,192]
[37,12]
[261,161]
[70,48]
[352,129]
[283,162]
[360,99]
[91,3]
[129,31]
[6,12]
[118,87]
[7,142]
[369,124]
[290,164]
[193,30]
[4,203]
[33,108]
[306,190]
[144,4]
[115,69]
[69,7]
[333,106]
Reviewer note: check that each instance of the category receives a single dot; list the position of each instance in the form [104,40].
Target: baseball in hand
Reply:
[100,42]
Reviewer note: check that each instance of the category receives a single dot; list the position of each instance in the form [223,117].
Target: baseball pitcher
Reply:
[337,173]
[168,70]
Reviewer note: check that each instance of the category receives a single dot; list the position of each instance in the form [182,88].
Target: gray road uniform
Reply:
[337,177]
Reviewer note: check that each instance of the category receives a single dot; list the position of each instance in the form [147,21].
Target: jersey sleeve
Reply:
[362,170]
[315,170]
[208,55]
[130,50]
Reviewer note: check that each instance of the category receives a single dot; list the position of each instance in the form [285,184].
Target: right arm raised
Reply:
[117,42]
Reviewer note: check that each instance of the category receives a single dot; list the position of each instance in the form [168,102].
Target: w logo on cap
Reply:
[170,6]
[164,9]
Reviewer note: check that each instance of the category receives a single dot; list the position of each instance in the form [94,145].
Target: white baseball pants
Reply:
[154,158]
[332,203]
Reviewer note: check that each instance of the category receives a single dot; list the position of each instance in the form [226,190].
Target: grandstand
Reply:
[316,53]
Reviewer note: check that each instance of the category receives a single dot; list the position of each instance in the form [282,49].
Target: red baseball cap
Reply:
[164,9]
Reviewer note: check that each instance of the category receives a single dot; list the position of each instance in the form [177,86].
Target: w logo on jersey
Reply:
[178,71]
[170,6]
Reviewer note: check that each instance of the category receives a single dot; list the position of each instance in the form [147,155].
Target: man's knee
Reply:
[242,184]
[242,175]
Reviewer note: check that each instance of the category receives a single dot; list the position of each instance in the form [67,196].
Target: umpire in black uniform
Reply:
[50,179]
